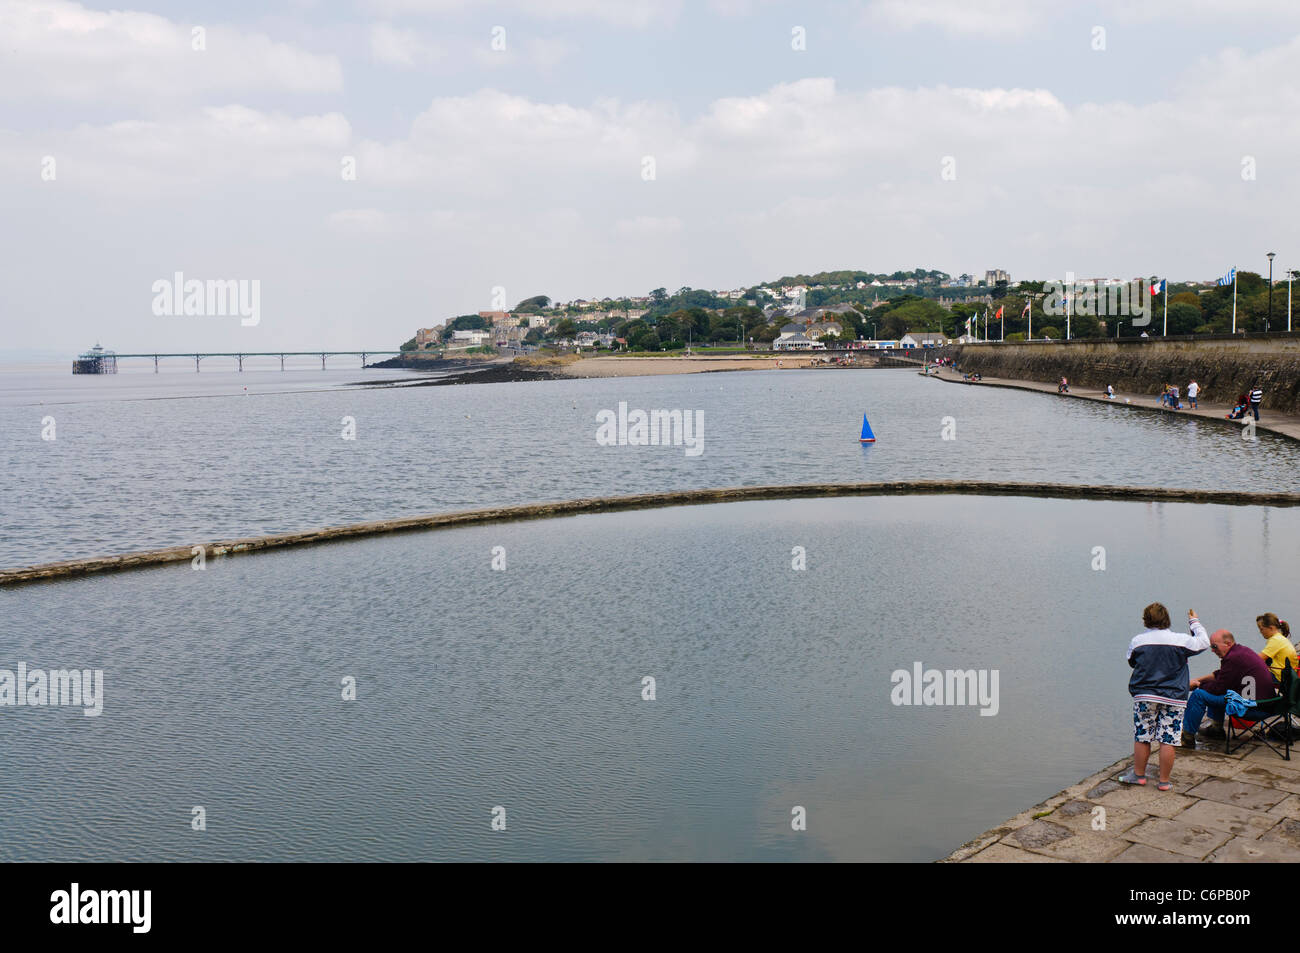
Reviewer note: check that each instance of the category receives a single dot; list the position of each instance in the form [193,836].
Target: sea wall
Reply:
[611,504]
[1223,365]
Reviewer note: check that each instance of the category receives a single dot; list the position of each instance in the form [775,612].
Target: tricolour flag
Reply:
[1158,287]
[1026,311]
[1229,278]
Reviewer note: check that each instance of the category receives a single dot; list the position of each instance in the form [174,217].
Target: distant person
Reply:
[1279,650]
[1240,407]
[1240,671]
[1175,398]
[1063,387]
[1159,686]
[1193,391]
[1110,392]
[1256,398]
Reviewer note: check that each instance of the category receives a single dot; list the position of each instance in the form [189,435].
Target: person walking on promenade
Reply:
[1159,686]
[1279,650]
[1256,398]
[1193,391]
[1240,671]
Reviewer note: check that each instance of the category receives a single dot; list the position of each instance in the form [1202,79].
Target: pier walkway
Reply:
[1287,425]
[1222,809]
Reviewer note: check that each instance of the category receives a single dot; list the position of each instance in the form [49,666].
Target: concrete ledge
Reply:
[157,557]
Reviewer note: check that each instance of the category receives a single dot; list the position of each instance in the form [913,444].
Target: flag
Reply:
[1026,311]
[999,314]
[1158,287]
[1229,278]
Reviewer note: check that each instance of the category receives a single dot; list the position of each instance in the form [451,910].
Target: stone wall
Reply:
[1223,365]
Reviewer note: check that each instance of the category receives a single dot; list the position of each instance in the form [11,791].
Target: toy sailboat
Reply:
[867,435]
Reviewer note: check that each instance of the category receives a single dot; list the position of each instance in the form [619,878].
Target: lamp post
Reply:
[1269,320]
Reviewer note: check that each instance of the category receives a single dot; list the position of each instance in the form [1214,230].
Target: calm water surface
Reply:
[142,460]
[522,688]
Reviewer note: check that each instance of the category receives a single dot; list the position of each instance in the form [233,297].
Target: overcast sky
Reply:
[1173,150]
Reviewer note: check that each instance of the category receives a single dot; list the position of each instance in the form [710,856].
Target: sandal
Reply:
[1128,777]
[1165,786]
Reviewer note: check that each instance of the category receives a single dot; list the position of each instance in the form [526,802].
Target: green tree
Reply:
[533,305]
[564,328]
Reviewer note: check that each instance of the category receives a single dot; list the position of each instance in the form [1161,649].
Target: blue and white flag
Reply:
[1229,278]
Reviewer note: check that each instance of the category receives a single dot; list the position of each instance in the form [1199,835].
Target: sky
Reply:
[382,165]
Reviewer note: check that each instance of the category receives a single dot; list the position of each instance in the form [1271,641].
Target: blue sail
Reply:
[867,435]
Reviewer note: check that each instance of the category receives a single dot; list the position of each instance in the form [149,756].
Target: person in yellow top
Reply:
[1278,648]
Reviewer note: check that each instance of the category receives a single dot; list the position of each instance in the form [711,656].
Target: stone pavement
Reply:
[1285,424]
[1222,809]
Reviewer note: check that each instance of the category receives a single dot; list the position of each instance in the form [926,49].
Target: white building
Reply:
[472,338]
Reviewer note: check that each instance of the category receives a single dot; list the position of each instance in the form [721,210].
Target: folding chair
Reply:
[1275,713]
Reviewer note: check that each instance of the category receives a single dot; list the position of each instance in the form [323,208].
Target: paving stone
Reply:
[1039,834]
[1004,854]
[1254,797]
[1078,816]
[1239,808]
[1175,836]
[1228,817]
[1145,854]
[1264,774]
[1110,784]
[1146,800]
[1086,847]
[1241,850]
[1286,831]
[1288,808]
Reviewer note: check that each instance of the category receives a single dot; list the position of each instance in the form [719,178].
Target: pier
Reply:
[237,355]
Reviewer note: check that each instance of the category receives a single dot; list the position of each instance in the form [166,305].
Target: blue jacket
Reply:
[1158,658]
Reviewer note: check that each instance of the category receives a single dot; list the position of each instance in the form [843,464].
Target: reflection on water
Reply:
[522,688]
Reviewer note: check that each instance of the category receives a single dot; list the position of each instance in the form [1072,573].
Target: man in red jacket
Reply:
[1241,671]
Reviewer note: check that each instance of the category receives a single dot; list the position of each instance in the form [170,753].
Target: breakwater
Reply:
[1223,365]
[159,557]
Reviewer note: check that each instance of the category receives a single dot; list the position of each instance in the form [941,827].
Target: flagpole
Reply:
[1165,292]
[1234,300]
[1067,313]
[1029,306]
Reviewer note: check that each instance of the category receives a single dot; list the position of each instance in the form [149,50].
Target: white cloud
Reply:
[633,14]
[61,50]
[985,17]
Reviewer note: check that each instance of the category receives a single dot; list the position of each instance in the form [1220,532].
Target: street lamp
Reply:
[1269,320]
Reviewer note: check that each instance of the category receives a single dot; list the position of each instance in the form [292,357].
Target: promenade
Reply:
[1222,809]
[1285,424]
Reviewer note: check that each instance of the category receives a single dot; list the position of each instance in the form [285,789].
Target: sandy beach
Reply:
[613,366]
